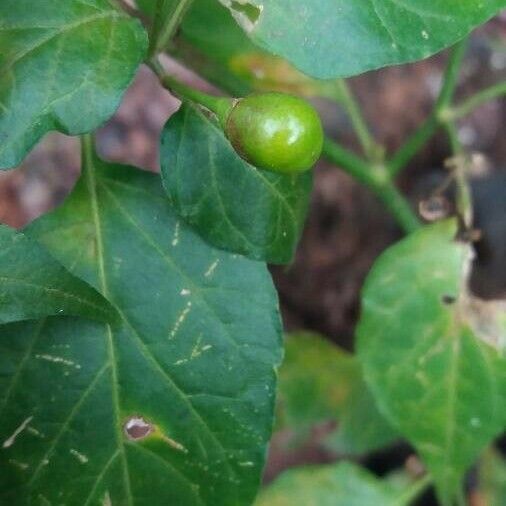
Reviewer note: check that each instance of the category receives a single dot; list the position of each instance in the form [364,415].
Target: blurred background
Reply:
[347,227]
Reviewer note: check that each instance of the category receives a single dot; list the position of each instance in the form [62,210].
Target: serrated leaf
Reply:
[64,65]
[426,362]
[339,38]
[318,382]
[33,284]
[173,406]
[342,484]
[233,205]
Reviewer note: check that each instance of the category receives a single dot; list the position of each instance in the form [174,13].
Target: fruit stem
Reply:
[460,164]
[221,106]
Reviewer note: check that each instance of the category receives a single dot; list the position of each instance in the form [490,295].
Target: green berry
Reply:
[276,132]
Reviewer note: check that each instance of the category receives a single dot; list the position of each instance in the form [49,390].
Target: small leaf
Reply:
[64,65]
[429,367]
[33,284]
[339,38]
[319,382]
[233,205]
[174,405]
[342,484]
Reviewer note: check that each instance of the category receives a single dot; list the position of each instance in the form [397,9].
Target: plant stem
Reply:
[165,24]
[437,116]
[451,75]
[453,135]
[219,105]
[462,110]
[87,150]
[460,165]
[351,163]
[346,98]
[376,180]
[414,491]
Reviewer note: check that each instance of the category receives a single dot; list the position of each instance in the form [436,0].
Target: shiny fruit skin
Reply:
[276,132]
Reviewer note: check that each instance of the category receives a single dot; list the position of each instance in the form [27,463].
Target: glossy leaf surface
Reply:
[232,204]
[172,406]
[33,284]
[338,38]
[64,65]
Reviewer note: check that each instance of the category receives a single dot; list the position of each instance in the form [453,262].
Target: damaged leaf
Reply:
[434,374]
[174,405]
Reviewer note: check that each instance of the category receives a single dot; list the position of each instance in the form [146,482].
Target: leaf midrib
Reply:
[89,172]
[92,187]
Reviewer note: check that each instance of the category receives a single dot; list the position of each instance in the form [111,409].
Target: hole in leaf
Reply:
[448,299]
[137,428]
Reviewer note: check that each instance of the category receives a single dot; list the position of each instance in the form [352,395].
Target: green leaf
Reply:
[319,381]
[232,61]
[64,65]
[193,361]
[492,479]
[34,285]
[338,38]
[231,204]
[342,484]
[430,354]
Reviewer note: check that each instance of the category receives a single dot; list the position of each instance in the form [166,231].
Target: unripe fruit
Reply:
[276,132]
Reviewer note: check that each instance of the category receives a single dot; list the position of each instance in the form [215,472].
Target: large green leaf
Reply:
[34,285]
[341,484]
[319,381]
[64,65]
[337,38]
[432,355]
[193,361]
[233,205]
